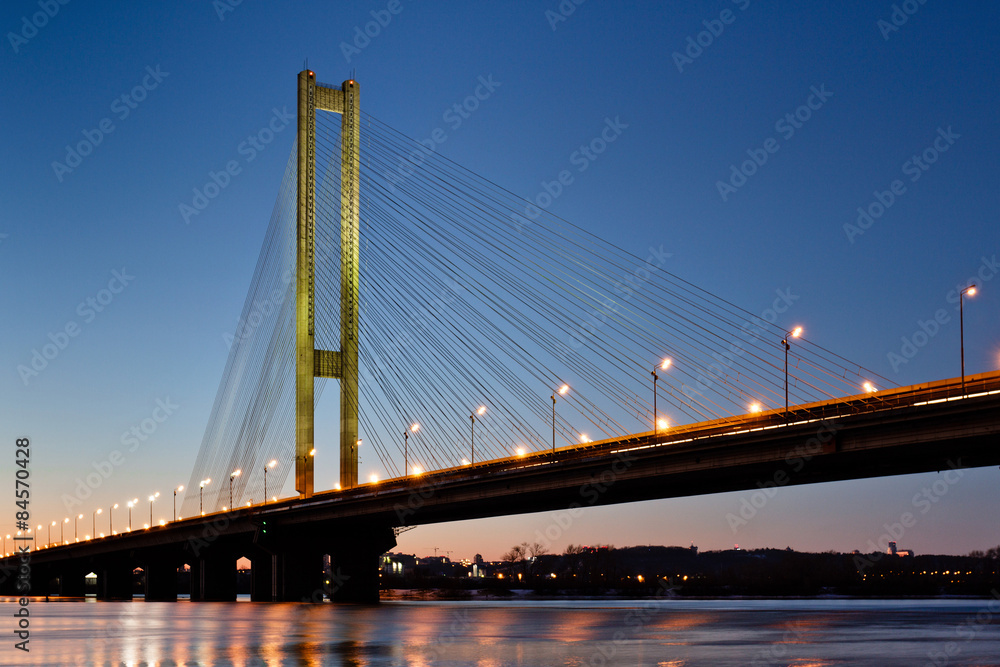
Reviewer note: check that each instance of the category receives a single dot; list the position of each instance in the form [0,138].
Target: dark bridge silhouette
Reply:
[921,428]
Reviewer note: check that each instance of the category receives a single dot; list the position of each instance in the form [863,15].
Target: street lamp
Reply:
[76,532]
[794,333]
[132,503]
[406,446]
[96,512]
[233,475]
[111,519]
[62,539]
[271,464]
[481,411]
[664,365]
[201,495]
[971,291]
[562,390]
[151,499]
[50,531]
[179,488]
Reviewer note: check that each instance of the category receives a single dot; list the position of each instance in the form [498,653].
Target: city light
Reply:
[869,387]
[563,389]
[755,407]
[666,364]
[417,470]
[520,451]
[481,411]
[415,427]
[662,423]
[373,478]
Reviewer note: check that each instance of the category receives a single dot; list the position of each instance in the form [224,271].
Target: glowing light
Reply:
[205,481]
[796,332]
[373,478]
[869,387]
[662,423]
[520,451]
[584,438]
[563,389]
[272,463]
[417,470]
[971,291]
[236,473]
[755,407]
[312,452]
[465,462]
[415,427]
[666,364]
[163,522]
[640,578]
[337,486]
[481,411]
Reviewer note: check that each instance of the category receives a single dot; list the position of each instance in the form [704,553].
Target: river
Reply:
[667,632]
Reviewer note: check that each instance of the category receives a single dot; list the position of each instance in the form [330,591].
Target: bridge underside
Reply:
[286,541]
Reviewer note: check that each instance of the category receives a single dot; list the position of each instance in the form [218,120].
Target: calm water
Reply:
[666,633]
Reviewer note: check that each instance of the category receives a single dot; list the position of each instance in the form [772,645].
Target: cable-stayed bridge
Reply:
[490,359]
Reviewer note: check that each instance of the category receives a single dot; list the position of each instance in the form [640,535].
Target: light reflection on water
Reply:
[671,633]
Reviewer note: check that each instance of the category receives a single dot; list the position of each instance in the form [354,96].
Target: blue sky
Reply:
[209,77]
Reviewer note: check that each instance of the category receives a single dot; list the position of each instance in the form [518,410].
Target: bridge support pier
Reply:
[72,581]
[355,566]
[213,576]
[114,580]
[161,580]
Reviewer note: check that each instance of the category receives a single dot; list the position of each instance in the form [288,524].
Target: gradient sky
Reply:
[892,85]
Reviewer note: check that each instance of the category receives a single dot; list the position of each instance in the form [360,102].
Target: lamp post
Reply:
[562,390]
[62,538]
[201,494]
[50,531]
[96,512]
[132,503]
[151,499]
[794,333]
[406,446]
[233,475]
[271,464]
[111,519]
[76,531]
[664,365]
[179,488]
[481,411]
[971,291]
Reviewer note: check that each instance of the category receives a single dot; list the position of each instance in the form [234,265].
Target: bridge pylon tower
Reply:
[311,363]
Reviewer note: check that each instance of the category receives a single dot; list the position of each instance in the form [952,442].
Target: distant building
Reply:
[892,549]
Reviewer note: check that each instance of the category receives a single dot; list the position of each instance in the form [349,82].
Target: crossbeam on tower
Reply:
[311,363]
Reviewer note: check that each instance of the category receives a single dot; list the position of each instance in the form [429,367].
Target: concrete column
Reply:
[114,580]
[217,576]
[161,579]
[355,566]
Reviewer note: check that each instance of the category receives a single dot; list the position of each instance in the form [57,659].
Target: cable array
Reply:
[477,308]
